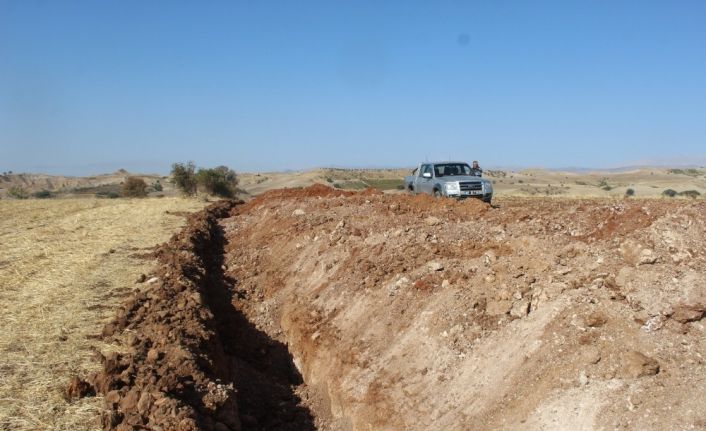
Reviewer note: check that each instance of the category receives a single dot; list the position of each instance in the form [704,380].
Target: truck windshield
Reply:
[448,169]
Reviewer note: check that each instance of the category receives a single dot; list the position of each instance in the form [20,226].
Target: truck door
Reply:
[426,185]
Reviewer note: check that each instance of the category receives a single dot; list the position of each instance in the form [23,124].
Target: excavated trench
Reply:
[260,367]
[413,313]
[191,359]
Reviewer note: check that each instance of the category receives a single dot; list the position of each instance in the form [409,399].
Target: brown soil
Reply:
[411,313]
[186,345]
[407,312]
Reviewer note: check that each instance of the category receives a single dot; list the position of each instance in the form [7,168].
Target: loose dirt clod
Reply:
[683,313]
[78,388]
[636,364]
[596,319]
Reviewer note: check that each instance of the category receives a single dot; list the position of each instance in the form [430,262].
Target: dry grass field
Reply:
[65,265]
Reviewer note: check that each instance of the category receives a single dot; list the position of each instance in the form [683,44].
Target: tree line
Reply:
[219,181]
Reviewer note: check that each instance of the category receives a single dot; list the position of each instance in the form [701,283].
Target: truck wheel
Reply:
[437,194]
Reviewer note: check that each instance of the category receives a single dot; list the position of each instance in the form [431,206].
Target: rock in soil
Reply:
[636,364]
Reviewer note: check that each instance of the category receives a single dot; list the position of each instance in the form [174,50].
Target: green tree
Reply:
[184,177]
[219,181]
[42,194]
[18,192]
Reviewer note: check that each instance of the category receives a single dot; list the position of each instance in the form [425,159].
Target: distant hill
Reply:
[70,185]
[643,181]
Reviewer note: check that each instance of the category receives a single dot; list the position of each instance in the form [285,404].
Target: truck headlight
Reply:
[451,187]
[488,187]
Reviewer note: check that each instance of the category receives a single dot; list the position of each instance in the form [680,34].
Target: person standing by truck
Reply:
[476,170]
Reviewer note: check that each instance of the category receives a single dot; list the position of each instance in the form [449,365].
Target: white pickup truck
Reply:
[449,179]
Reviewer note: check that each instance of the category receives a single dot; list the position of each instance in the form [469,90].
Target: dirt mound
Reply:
[407,312]
[192,360]
[314,190]
[175,373]
[450,209]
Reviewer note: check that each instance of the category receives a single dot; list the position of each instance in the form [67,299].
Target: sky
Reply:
[93,86]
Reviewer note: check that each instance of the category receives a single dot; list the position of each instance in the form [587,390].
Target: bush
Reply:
[669,193]
[220,181]
[44,194]
[134,187]
[690,172]
[629,193]
[693,194]
[184,177]
[18,192]
[603,184]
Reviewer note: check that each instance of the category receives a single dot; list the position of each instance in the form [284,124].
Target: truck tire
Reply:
[437,193]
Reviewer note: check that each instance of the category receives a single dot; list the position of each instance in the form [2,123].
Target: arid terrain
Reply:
[65,266]
[406,313]
[643,181]
[323,308]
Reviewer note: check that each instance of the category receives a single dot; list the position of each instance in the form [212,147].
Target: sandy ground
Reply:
[65,266]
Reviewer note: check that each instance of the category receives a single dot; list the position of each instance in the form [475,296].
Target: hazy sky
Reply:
[93,86]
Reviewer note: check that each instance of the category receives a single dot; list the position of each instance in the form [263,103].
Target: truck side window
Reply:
[425,169]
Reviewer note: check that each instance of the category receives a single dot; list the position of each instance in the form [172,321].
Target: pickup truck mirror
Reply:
[426,174]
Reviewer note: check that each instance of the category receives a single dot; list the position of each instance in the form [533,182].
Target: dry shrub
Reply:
[18,192]
[693,194]
[134,187]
